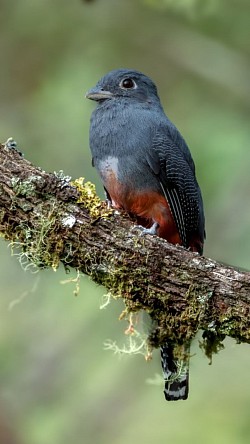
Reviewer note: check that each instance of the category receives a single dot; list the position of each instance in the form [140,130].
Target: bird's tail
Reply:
[175,371]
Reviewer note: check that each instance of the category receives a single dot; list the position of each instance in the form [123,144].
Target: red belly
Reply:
[148,207]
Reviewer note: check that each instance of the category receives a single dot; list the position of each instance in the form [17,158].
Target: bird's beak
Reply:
[98,94]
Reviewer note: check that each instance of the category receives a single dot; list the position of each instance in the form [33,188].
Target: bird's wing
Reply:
[171,161]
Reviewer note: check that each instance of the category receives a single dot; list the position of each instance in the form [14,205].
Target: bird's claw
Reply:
[143,231]
[152,230]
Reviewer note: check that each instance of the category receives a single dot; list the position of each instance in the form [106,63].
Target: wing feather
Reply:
[173,200]
[171,161]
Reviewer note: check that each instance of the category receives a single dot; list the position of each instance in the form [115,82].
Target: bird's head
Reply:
[124,83]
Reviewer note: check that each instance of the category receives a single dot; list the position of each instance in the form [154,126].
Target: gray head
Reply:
[124,83]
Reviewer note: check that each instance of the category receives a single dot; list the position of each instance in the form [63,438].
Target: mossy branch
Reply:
[50,219]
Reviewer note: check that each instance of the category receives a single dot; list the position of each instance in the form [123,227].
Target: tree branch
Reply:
[49,220]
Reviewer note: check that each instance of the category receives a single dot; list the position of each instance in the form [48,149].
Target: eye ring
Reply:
[128,83]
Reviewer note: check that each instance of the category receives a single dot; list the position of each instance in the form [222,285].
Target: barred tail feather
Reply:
[175,372]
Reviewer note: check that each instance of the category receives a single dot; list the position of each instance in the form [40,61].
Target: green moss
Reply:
[211,343]
[2,214]
[178,327]
[123,283]
[233,324]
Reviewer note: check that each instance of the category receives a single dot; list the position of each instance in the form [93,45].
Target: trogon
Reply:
[147,170]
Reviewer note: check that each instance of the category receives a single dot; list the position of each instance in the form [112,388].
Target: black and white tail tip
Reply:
[175,373]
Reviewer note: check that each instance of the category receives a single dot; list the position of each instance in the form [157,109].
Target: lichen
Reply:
[75,281]
[135,338]
[62,177]
[89,198]
[25,187]
[68,220]
[135,344]
[39,245]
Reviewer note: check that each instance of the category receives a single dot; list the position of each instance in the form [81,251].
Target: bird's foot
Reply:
[152,230]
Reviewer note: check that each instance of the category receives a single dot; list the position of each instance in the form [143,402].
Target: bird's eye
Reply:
[128,83]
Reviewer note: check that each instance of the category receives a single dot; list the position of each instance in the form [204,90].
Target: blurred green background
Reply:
[57,384]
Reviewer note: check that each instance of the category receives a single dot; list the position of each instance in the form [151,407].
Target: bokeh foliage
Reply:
[56,381]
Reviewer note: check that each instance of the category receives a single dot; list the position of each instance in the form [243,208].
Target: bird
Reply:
[147,170]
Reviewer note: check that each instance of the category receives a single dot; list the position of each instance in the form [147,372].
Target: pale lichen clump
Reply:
[27,187]
[136,345]
[136,340]
[37,242]
[39,246]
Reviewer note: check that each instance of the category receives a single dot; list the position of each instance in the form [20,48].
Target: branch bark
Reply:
[50,220]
